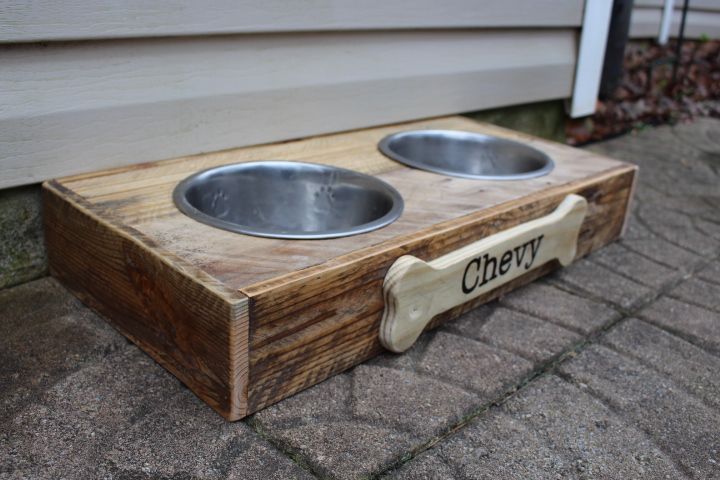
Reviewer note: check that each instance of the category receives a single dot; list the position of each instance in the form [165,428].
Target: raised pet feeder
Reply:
[246,319]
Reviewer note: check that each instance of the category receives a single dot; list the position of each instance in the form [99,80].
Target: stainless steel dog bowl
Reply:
[288,200]
[467,155]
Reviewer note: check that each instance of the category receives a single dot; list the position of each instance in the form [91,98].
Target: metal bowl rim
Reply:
[186,208]
[384,147]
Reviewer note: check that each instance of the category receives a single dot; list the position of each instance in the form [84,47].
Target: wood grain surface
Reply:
[313,307]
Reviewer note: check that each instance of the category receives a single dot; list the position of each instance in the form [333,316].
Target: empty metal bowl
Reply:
[466,154]
[288,200]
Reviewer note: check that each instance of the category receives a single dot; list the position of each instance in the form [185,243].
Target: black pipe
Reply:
[615,48]
[680,40]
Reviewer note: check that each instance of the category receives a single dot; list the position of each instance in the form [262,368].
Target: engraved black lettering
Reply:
[488,261]
[534,248]
[519,256]
[485,268]
[469,289]
[505,262]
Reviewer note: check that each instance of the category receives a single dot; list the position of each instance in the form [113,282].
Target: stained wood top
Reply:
[139,199]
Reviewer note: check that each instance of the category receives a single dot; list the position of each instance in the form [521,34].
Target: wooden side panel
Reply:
[306,327]
[185,321]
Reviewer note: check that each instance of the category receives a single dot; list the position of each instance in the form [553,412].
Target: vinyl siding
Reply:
[138,85]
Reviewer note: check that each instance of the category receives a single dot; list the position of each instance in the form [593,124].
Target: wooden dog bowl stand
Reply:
[246,321]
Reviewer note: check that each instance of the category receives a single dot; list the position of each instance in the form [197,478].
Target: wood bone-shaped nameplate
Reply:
[415,291]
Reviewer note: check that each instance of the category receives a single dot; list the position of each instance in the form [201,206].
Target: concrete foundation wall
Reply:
[22,250]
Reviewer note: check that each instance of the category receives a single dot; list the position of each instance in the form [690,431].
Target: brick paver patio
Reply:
[607,369]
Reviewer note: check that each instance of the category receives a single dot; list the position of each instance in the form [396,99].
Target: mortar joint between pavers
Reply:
[692,302]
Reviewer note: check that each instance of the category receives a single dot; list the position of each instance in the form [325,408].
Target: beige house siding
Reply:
[113,86]
[43,20]
[703,19]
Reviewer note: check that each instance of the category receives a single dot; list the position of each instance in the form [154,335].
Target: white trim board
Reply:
[591,55]
[51,20]
[76,107]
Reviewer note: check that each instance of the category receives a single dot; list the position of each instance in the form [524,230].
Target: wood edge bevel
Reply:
[238,348]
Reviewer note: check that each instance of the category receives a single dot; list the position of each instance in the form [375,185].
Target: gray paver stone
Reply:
[45,334]
[678,229]
[688,365]
[425,467]
[586,277]
[641,240]
[699,292]
[328,400]
[550,303]
[423,405]
[481,368]
[319,425]
[635,266]
[699,325]
[682,426]
[346,449]
[549,429]
[519,333]
[711,273]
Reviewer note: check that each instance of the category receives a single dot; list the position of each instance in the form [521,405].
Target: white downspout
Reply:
[667,15]
[591,54]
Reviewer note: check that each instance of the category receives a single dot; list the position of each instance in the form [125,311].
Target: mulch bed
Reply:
[647,94]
